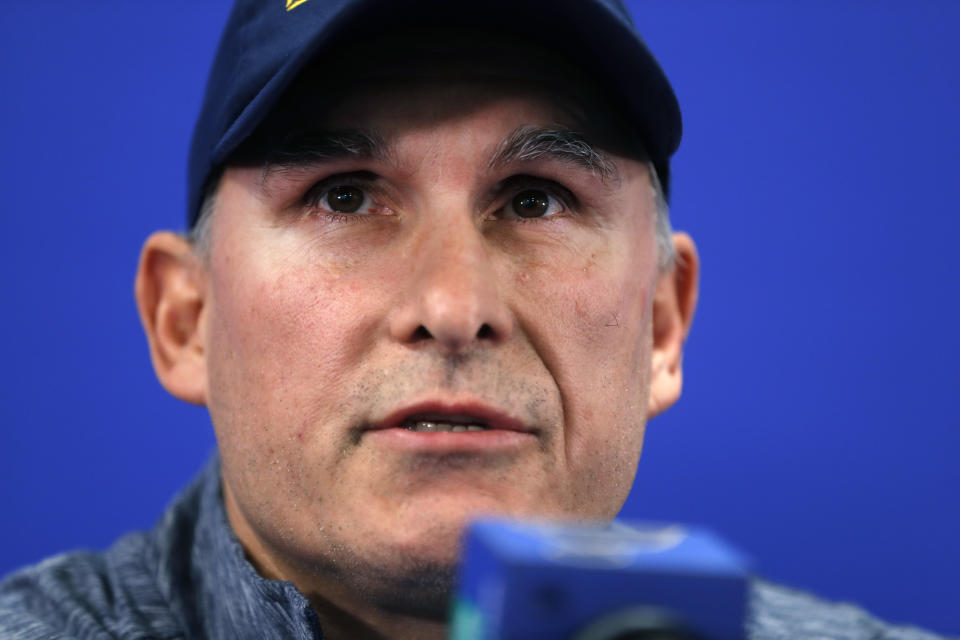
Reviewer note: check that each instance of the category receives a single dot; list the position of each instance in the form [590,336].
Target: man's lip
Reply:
[459,412]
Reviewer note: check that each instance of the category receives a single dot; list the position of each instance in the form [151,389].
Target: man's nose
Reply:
[453,294]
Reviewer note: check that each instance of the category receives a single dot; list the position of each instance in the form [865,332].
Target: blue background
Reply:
[819,175]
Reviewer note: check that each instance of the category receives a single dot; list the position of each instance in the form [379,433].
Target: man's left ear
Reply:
[674,302]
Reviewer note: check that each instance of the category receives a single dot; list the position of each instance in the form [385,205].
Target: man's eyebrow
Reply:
[533,143]
[304,149]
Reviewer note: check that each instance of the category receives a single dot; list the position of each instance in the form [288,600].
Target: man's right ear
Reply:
[170,289]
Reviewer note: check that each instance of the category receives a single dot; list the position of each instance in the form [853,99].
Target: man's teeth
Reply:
[430,426]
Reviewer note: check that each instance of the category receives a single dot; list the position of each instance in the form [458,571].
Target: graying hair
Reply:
[199,235]
[666,256]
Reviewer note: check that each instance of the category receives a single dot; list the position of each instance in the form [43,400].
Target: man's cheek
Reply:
[599,355]
[293,317]
[281,352]
[595,306]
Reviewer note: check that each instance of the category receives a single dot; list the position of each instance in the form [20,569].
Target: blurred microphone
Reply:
[617,581]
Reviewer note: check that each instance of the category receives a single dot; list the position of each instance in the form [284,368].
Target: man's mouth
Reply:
[441,427]
[451,419]
[440,422]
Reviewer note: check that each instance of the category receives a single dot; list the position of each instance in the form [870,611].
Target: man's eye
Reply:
[344,198]
[532,203]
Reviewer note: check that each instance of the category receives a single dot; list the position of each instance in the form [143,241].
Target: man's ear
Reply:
[674,302]
[170,289]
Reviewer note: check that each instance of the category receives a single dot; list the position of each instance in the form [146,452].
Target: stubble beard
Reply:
[405,585]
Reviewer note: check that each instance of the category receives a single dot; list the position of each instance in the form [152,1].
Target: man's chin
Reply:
[417,583]
[423,591]
[404,563]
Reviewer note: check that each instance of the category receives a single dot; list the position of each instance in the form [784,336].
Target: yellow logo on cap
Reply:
[293,4]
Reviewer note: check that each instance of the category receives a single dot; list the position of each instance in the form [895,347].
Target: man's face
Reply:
[428,277]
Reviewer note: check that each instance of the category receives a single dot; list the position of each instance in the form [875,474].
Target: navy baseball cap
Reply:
[267,43]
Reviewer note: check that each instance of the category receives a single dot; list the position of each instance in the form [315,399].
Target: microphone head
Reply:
[611,581]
